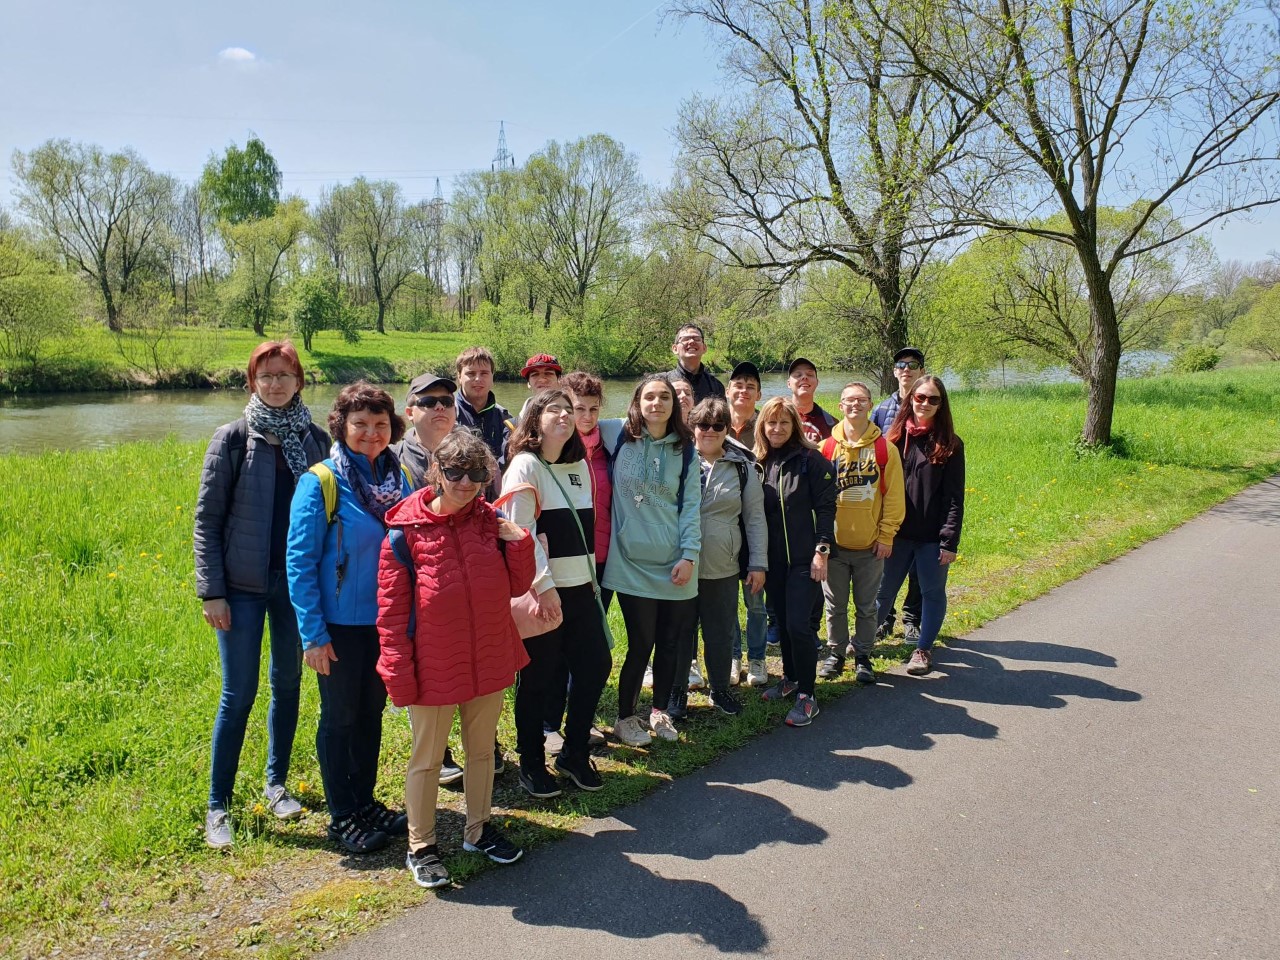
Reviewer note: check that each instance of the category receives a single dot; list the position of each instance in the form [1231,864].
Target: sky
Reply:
[388,89]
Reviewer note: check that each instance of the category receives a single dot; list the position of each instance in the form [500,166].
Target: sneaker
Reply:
[725,702]
[662,726]
[647,683]
[735,672]
[780,690]
[677,708]
[911,632]
[553,742]
[394,823]
[695,676]
[831,668]
[581,770]
[883,632]
[757,673]
[862,670]
[499,762]
[494,845]
[921,662]
[450,772]
[595,738]
[538,782]
[217,830]
[281,804]
[802,714]
[356,836]
[427,868]
[631,731]
[849,652]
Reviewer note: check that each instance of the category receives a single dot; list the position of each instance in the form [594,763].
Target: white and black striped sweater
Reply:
[567,561]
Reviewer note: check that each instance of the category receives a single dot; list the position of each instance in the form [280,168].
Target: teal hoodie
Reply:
[648,536]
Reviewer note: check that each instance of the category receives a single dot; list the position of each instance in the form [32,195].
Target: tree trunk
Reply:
[382,309]
[1106,356]
[896,333]
[113,314]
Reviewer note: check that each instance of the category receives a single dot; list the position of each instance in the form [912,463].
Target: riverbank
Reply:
[113,678]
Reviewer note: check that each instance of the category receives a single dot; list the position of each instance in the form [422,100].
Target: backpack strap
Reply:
[519,488]
[237,444]
[829,448]
[408,478]
[400,549]
[882,458]
[328,487]
[686,458]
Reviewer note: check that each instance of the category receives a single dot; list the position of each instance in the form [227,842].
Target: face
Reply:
[476,380]
[803,382]
[924,410]
[433,423]
[586,413]
[656,404]
[458,493]
[743,393]
[689,347]
[710,442]
[908,370]
[368,432]
[275,383]
[778,431]
[556,422]
[542,378]
[855,404]
[684,394]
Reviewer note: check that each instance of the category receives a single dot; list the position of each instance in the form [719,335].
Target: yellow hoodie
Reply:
[863,514]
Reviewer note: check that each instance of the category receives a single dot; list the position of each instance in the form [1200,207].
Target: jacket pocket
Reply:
[648,542]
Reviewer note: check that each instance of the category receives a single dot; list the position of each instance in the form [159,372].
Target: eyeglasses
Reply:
[908,365]
[275,377]
[689,341]
[853,401]
[475,474]
[718,426]
[432,402]
[926,398]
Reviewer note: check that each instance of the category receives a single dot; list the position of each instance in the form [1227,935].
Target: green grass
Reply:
[111,678]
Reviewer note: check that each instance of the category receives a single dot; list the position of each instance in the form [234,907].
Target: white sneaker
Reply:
[757,674]
[735,672]
[662,726]
[217,830]
[631,732]
[281,804]
[647,683]
[695,676]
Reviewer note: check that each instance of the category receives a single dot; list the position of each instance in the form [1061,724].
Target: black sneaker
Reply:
[831,667]
[581,770]
[494,845]
[726,702]
[677,710]
[499,764]
[393,823]
[427,868]
[450,771]
[356,836]
[862,670]
[539,783]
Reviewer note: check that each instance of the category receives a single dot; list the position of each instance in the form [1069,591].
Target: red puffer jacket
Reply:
[465,644]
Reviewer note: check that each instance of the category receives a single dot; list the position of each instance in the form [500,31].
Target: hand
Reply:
[317,658]
[881,551]
[818,568]
[217,614]
[682,573]
[549,605]
[946,556]
[755,581]
[510,531]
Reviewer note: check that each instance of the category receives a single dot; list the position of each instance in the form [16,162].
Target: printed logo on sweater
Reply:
[857,479]
[575,480]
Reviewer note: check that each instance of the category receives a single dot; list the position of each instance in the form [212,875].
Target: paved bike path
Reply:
[1092,775]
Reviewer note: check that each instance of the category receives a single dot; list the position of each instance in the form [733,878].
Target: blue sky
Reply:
[385,88]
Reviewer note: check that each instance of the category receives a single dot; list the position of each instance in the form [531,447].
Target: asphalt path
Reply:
[1092,776]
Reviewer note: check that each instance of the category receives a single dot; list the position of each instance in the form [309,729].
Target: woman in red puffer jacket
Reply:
[448,641]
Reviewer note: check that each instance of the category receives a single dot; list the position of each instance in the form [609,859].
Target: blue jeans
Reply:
[240,649]
[756,625]
[933,585]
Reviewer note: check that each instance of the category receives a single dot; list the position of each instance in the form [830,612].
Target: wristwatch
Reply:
[822,549]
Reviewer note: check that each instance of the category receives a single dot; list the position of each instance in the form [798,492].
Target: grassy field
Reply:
[111,677]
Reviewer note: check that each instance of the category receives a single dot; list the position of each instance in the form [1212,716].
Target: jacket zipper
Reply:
[782,500]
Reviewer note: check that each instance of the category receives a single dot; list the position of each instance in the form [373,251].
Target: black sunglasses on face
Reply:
[431,403]
[907,365]
[716,427]
[926,399]
[475,474]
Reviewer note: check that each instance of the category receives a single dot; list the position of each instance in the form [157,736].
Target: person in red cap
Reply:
[541,372]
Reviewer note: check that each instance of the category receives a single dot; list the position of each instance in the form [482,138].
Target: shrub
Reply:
[1195,359]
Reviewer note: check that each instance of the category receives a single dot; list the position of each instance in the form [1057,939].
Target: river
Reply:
[35,423]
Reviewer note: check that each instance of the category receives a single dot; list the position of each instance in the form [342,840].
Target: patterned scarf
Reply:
[376,497]
[289,423]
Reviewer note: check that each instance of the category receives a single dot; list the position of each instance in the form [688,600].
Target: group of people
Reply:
[440,561]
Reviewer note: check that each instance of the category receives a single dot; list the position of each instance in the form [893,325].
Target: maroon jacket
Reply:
[465,644]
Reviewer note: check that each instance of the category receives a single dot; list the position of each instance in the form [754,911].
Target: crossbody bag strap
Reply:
[591,567]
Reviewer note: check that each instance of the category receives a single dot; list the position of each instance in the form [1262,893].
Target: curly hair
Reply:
[528,435]
[363,395]
[770,411]
[460,448]
[582,384]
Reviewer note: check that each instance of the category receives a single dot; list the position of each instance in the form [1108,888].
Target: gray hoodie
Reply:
[724,499]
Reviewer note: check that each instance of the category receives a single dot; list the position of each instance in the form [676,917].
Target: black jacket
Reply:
[489,424]
[703,382]
[799,504]
[935,493]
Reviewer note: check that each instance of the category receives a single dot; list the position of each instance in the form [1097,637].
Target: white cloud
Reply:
[237,55]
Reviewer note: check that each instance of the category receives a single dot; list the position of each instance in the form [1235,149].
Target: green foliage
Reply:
[37,306]
[261,249]
[1259,329]
[315,303]
[148,340]
[511,334]
[244,184]
[1196,359]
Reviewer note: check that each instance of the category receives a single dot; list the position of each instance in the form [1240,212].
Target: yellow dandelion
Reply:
[143,553]
[303,786]
[259,809]
[159,555]
[111,575]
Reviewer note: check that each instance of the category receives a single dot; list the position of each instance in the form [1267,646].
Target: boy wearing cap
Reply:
[743,395]
[689,346]
[541,372]
[478,409]
[802,379]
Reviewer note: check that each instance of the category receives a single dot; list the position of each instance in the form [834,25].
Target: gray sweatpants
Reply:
[861,570]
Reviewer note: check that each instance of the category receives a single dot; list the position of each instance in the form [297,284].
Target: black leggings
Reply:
[790,591]
[662,628]
[559,693]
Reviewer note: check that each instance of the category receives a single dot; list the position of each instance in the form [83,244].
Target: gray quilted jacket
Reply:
[234,506]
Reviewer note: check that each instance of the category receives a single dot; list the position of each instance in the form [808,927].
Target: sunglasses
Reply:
[718,427]
[926,399]
[908,365]
[431,403]
[475,474]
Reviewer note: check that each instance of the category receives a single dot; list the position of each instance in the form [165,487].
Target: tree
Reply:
[37,304]
[244,184]
[375,231]
[1259,329]
[105,213]
[832,154]
[316,303]
[1158,103]
[259,249]
[478,230]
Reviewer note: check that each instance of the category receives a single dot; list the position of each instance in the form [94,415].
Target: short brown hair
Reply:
[710,410]
[460,448]
[363,395]
[270,350]
[473,357]
[582,384]
[528,435]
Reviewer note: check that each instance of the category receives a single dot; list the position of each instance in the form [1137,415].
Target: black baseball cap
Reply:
[424,382]
[801,361]
[746,369]
[909,352]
